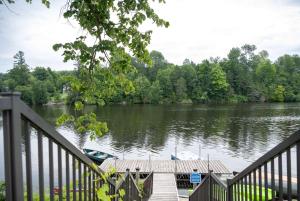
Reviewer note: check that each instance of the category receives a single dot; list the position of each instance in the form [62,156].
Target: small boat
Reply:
[184,155]
[97,156]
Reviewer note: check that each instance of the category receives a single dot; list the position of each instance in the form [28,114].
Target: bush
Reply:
[26,94]
[238,99]
[40,94]
[2,191]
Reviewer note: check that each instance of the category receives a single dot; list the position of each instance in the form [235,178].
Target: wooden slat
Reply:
[165,166]
[164,187]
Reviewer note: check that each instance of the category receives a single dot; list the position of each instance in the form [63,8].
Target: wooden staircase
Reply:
[164,187]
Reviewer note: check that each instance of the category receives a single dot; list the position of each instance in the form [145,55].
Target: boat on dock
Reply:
[97,156]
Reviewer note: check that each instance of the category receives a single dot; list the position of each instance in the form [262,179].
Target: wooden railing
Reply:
[70,174]
[148,186]
[274,176]
[130,188]
[211,188]
[271,177]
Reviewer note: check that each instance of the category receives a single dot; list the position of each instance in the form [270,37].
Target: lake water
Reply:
[235,134]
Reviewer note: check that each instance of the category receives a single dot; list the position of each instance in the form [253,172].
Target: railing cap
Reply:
[14,94]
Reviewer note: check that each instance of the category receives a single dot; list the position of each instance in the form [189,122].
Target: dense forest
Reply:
[38,86]
[243,76]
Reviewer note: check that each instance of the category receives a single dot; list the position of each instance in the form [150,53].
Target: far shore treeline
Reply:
[245,75]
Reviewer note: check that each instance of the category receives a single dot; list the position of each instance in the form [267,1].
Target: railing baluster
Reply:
[28,160]
[280,177]
[74,177]
[67,177]
[250,186]
[79,180]
[298,170]
[266,181]
[84,183]
[260,184]
[60,186]
[239,189]
[90,185]
[51,168]
[289,174]
[94,187]
[254,185]
[242,189]
[246,189]
[41,165]
[273,179]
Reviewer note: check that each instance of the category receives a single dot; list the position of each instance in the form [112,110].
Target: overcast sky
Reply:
[199,29]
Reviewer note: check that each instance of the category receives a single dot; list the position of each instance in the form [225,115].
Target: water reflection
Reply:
[235,134]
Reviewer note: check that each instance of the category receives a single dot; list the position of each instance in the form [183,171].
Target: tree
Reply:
[142,89]
[41,73]
[158,61]
[40,94]
[265,72]
[20,73]
[19,59]
[155,92]
[180,89]
[26,94]
[164,78]
[218,86]
[114,26]
[238,71]
[278,95]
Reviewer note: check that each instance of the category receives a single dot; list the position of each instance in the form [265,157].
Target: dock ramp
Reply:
[164,187]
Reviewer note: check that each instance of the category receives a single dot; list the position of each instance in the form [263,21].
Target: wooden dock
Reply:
[165,166]
[164,187]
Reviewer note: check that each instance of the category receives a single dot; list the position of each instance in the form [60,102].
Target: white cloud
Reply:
[199,29]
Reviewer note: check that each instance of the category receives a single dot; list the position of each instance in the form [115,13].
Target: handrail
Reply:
[39,123]
[118,185]
[280,148]
[135,193]
[201,184]
[261,180]
[210,188]
[148,186]
[82,177]
[221,183]
[122,185]
[131,189]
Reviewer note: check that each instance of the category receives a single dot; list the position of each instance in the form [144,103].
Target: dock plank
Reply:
[164,187]
[165,166]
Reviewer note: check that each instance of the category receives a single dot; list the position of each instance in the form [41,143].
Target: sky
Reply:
[199,29]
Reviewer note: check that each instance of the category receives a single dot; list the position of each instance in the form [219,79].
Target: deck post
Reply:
[127,193]
[12,149]
[137,175]
[209,185]
[229,190]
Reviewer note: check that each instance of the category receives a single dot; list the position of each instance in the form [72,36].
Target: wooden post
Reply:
[209,186]
[127,193]
[229,190]
[137,175]
[13,148]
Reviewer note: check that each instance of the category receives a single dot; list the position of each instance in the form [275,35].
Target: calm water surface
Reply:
[235,134]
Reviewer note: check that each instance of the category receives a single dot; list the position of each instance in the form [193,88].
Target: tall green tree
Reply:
[218,86]
[20,73]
